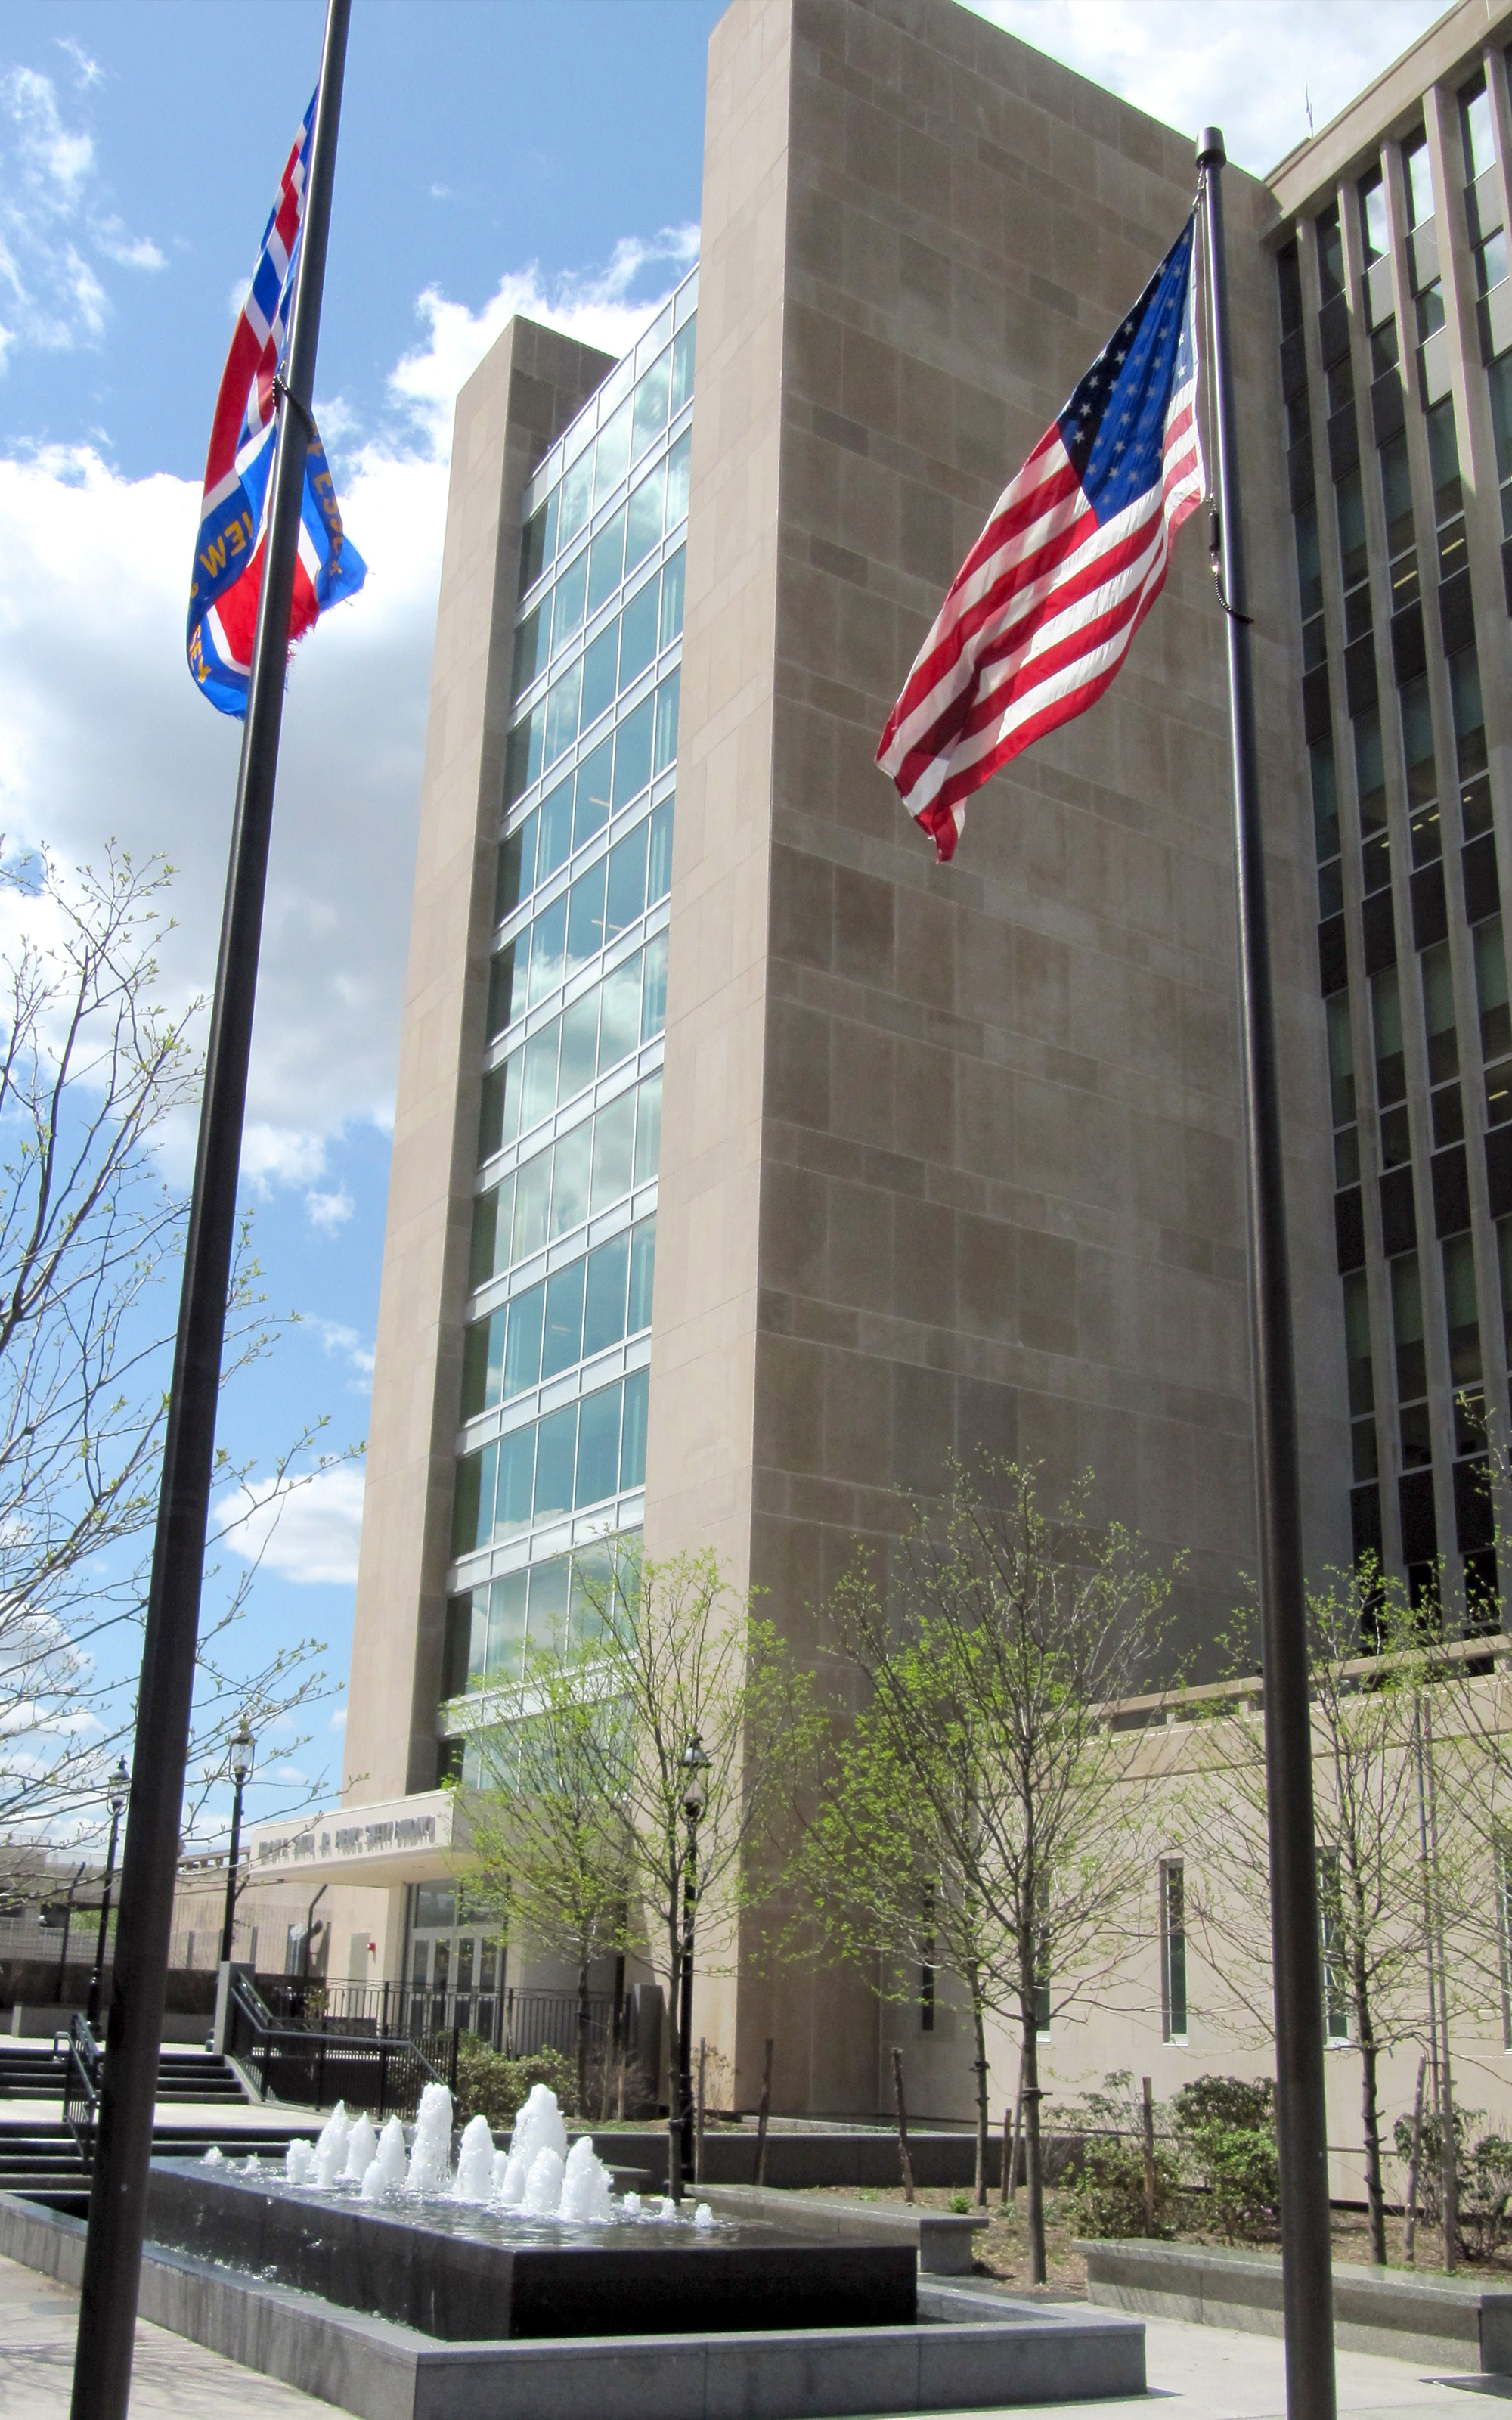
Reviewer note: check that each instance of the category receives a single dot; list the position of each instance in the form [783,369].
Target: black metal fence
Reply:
[519,2023]
[312,2058]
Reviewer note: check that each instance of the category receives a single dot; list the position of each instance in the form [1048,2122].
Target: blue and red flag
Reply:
[1042,612]
[228,551]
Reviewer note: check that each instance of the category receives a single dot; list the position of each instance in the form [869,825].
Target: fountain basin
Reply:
[462,2271]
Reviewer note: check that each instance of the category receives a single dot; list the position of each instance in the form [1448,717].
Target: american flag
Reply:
[228,551]
[1042,612]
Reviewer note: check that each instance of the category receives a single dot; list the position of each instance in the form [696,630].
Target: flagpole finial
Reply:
[1211,152]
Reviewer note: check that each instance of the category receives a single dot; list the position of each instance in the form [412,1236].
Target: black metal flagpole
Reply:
[117,2198]
[1306,2251]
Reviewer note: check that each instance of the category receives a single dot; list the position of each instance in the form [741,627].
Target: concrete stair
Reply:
[29,2071]
[40,2158]
[43,2162]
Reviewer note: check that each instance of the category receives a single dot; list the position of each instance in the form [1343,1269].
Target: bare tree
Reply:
[93,1069]
[1378,1912]
[981,1810]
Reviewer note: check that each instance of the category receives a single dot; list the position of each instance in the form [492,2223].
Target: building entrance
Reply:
[456,1969]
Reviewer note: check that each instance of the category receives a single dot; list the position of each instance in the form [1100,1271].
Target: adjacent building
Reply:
[747,1165]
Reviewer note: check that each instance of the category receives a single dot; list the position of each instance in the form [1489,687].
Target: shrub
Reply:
[1108,2198]
[1484,2164]
[1225,2101]
[1227,2129]
[490,2086]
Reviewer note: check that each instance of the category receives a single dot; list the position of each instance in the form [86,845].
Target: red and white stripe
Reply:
[1036,623]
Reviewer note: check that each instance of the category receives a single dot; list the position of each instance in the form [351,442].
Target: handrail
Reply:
[299,2062]
[81,2057]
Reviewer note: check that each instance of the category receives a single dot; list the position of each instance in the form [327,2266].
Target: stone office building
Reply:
[747,1164]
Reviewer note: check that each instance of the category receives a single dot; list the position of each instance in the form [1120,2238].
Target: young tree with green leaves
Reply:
[980,1811]
[546,1847]
[637,1770]
[715,1721]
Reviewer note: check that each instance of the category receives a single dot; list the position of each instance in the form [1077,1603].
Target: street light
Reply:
[241,1756]
[695,1797]
[120,1786]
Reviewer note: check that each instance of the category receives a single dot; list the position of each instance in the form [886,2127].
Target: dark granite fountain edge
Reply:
[994,2352]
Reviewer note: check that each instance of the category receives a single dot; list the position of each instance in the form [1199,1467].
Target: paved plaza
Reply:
[1195,2373]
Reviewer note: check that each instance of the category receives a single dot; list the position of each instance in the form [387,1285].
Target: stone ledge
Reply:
[991,2353]
[1411,2319]
[942,2238]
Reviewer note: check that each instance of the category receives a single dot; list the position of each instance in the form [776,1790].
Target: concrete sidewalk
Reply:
[188,2117]
[1194,2374]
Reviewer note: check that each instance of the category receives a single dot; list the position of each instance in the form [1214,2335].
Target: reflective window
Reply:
[578,1456]
[499,1626]
[592,1037]
[602,583]
[630,430]
[611,1155]
[1373,215]
[1478,128]
[615,658]
[591,1305]
[1418,179]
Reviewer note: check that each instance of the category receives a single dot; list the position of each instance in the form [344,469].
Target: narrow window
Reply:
[1373,215]
[1419,181]
[1361,1375]
[1330,1929]
[1330,256]
[1479,134]
[1173,1949]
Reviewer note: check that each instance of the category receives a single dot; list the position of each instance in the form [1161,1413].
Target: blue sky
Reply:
[495,156]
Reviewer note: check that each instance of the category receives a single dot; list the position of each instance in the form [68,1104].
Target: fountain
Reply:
[531,2241]
[372,2272]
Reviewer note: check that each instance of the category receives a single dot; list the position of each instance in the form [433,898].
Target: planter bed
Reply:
[1464,2325]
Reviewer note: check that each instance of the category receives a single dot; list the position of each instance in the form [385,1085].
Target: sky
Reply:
[496,155]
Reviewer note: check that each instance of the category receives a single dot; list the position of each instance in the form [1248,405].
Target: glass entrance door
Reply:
[457,1967]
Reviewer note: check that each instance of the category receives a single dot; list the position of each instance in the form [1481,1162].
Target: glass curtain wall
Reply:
[552,1417]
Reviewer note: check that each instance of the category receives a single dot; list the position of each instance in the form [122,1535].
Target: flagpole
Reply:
[1307,2249]
[117,2198]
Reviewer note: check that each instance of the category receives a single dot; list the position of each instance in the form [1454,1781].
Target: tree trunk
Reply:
[582,2040]
[1369,2102]
[984,2120]
[1033,2168]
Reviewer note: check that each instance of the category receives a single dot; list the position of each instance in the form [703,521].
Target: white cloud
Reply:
[311,1537]
[53,216]
[88,70]
[328,1213]
[1251,69]
[595,306]
[338,1718]
[94,576]
[346,1344]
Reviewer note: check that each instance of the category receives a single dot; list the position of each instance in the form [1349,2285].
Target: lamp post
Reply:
[241,1754]
[695,1764]
[120,1784]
